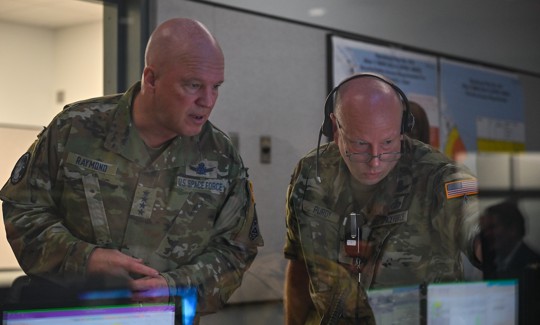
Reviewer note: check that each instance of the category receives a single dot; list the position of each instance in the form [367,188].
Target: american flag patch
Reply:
[461,188]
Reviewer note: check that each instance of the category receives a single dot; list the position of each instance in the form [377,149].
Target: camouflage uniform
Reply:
[88,181]
[418,220]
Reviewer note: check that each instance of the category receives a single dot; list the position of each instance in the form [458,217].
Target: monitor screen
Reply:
[95,315]
[400,305]
[479,303]
[36,301]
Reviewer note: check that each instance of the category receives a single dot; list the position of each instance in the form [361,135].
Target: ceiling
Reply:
[51,14]
[500,32]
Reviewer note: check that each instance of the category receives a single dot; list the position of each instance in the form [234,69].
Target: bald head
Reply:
[366,97]
[184,69]
[367,120]
[178,40]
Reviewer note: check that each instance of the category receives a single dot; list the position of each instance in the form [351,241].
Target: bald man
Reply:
[372,209]
[140,185]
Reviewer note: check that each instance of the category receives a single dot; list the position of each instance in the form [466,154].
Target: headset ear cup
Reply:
[326,127]
[410,122]
[407,122]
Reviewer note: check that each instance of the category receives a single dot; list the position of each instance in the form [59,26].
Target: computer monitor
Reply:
[479,303]
[93,315]
[33,301]
[400,305]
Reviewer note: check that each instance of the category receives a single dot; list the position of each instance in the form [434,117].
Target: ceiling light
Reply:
[317,12]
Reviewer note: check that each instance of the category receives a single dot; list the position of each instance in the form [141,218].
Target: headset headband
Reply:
[407,120]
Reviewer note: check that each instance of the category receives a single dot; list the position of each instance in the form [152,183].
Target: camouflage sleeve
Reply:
[34,223]
[456,210]
[292,249]
[218,272]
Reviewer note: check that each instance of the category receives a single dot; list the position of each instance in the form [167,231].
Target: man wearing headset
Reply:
[372,209]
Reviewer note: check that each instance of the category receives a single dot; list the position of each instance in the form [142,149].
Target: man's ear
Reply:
[149,78]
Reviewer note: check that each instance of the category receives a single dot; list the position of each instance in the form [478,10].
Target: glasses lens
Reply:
[366,157]
[390,156]
[360,157]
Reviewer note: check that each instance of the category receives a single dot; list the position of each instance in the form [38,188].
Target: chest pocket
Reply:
[190,231]
[319,231]
[321,228]
[82,201]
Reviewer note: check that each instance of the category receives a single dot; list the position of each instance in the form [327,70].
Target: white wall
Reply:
[35,63]
[26,62]
[78,62]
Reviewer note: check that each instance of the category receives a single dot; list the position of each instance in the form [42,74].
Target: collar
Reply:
[124,139]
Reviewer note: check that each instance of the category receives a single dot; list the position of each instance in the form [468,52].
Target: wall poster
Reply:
[470,108]
[482,109]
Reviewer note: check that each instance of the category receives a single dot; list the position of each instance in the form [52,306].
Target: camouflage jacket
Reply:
[88,181]
[418,220]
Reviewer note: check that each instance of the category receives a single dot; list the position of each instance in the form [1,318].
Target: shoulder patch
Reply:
[461,188]
[254,229]
[20,168]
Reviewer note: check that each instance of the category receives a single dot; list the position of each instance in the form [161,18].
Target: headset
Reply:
[407,120]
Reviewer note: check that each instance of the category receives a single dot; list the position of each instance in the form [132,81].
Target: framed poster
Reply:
[482,109]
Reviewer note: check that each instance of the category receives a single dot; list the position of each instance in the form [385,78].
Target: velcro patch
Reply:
[20,168]
[204,168]
[92,164]
[143,202]
[461,188]
[391,219]
[254,229]
[212,185]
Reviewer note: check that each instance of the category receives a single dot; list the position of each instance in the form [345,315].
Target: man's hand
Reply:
[113,262]
[150,289]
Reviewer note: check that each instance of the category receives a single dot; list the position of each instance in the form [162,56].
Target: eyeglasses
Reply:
[365,157]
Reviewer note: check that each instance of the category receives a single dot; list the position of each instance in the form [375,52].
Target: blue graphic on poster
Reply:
[481,110]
